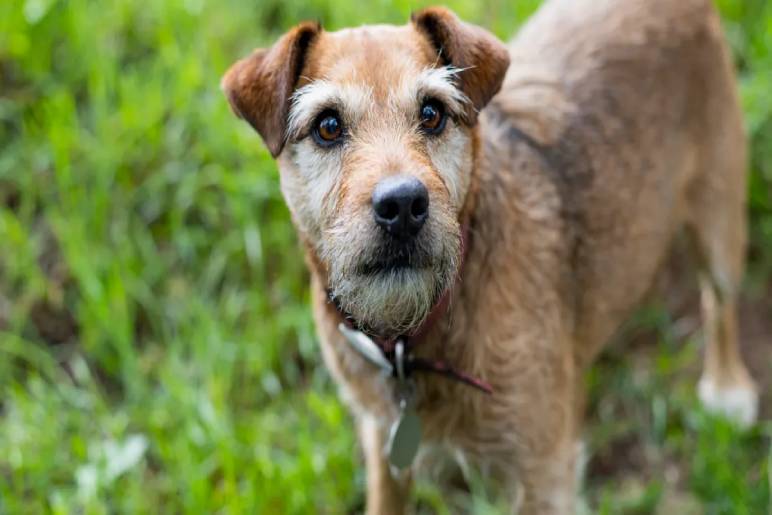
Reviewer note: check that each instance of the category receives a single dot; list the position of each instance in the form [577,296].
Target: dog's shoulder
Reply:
[600,74]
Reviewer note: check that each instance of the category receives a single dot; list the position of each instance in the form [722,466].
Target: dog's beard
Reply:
[389,303]
[389,292]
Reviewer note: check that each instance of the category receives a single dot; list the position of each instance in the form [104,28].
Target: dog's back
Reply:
[634,105]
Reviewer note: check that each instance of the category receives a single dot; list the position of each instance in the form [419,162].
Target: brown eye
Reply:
[432,117]
[327,129]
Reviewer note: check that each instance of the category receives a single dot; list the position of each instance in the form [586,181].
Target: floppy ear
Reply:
[259,87]
[482,57]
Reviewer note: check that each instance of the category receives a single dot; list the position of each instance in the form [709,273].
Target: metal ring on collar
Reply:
[399,359]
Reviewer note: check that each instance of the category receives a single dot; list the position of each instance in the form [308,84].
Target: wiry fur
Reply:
[390,302]
[438,82]
[395,302]
[617,125]
[352,100]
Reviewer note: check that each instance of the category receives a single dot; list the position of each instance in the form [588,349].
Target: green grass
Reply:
[156,348]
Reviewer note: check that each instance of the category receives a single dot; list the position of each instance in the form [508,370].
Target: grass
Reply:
[156,349]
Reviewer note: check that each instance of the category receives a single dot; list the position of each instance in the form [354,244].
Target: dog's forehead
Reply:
[376,55]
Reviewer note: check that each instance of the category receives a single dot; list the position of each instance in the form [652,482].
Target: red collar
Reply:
[412,364]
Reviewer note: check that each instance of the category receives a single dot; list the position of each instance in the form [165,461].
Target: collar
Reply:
[395,355]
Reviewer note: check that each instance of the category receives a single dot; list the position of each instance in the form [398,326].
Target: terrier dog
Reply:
[480,218]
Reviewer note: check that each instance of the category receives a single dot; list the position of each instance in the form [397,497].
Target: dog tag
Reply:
[405,438]
[366,347]
[406,432]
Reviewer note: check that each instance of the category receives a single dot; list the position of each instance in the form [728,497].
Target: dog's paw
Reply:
[738,403]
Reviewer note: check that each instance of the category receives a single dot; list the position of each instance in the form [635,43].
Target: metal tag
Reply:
[405,434]
[405,438]
[366,347]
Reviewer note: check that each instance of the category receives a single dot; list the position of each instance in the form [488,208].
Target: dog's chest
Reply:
[457,445]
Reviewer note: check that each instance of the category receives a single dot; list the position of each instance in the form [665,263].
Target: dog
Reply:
[479,219]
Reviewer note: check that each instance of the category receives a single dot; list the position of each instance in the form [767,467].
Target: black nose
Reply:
[400,205]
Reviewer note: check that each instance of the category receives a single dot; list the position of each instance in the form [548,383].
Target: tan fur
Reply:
[279,66]
[617,124]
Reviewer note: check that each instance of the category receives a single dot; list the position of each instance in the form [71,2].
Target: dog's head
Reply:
[374,132]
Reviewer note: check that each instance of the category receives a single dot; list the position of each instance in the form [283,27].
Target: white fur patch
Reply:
[310,190]
[438,83]
[451,156]
[739,403]
[580,461]
[352,100]
[369,433]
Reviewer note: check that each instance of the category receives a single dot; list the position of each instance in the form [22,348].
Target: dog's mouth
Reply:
[391,285]
[395,257]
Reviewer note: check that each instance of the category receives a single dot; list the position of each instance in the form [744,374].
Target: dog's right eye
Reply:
[327,129]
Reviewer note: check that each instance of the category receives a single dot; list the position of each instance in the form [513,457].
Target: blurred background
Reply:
[156,349]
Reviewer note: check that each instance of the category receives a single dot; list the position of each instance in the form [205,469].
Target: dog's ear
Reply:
[482,58]
[259,87]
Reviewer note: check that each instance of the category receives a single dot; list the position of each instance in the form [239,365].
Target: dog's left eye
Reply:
[432,117]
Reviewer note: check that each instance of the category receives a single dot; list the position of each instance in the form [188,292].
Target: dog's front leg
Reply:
[387,491]
[548,482]
[546,415]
